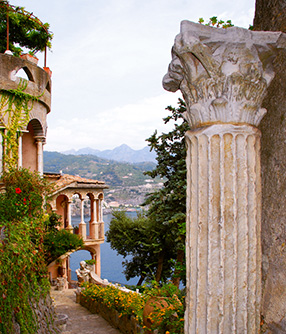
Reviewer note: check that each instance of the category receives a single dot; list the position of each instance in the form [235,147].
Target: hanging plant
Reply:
[25,30]
[15,106]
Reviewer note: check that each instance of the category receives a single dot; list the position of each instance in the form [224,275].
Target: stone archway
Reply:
[31,146]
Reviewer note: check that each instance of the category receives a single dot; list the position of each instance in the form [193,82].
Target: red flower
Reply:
[18,191]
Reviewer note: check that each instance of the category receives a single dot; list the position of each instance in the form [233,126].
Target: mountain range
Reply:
[114,173]
[122,153]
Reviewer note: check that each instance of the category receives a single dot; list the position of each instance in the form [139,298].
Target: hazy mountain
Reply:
[114,173]
[120,153]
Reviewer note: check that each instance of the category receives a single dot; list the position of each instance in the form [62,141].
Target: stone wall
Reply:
[46,317]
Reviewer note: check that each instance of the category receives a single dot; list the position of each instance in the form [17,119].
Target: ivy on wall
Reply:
[15,106]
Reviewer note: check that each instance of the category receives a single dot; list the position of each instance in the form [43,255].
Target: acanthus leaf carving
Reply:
[222,74]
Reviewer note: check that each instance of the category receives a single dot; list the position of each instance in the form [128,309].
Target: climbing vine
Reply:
[23,274]
[15,106]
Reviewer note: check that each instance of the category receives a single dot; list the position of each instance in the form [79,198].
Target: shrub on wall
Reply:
[125,303]
[28,240]
[23,274]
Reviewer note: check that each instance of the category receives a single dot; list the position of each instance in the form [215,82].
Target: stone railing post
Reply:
[223,75]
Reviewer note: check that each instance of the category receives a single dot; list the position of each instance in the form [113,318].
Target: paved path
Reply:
[80,320]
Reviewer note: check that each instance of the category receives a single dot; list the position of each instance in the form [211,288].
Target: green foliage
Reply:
[29,238]
[59,242]
[125,303]
[136,237]
[214,22]
[26,31]
[24,195]
[23,274]
[167,206]
[156,239]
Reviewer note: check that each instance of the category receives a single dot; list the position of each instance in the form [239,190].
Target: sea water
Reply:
[111,262]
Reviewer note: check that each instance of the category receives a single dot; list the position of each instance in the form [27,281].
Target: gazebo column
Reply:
[101,222]
[69,227]
[94,224]
[223,75]
[82,224]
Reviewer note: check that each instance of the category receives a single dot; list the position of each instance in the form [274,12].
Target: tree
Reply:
[167,206]
[25,30]
[271,15]
[131,236]
[156,239]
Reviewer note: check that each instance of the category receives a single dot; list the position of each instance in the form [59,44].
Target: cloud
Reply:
[108,61]
[130,124]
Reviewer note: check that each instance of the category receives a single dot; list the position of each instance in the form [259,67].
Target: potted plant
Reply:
[47,69]
[30,56]
[76,230]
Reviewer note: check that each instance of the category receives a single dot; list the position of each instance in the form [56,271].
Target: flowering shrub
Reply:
[167,309]
[125,303]
[29,239]
[23,274]
[167,304]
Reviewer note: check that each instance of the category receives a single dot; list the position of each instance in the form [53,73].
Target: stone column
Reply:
[69,227]
[40,160]
[223,75]
[82,224]
[101,223]
[93,223]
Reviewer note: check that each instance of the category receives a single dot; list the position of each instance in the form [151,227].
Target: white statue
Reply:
[83,273]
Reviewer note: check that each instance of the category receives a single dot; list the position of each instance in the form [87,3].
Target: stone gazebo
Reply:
[223,75]
[66,186]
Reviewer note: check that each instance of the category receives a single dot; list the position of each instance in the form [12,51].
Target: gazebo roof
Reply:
[64,181]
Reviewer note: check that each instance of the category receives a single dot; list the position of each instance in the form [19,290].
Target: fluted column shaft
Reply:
[223,75]
[223,230]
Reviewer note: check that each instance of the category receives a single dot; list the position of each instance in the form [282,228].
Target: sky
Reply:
[108,60]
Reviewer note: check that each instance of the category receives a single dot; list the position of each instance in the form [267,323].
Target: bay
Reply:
[111,263]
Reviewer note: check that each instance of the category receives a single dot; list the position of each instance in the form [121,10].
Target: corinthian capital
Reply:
[222,73]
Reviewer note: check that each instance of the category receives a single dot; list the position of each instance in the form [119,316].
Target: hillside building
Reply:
[30,140]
